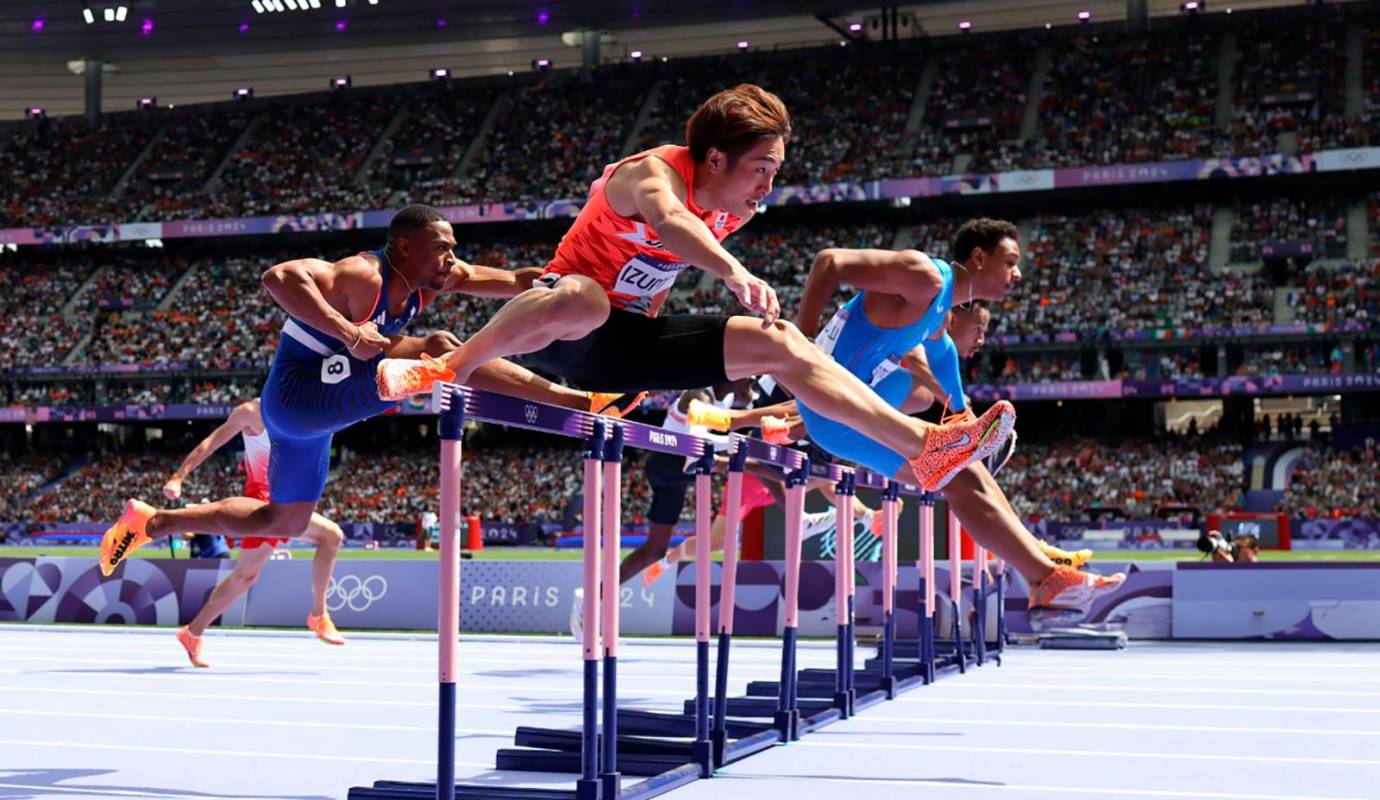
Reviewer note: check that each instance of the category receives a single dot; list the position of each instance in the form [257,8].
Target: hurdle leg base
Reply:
[890,685]
[787,723]
[588,789]
[611,783]
[703,755]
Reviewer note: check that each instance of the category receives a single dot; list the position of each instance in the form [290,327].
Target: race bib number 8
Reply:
[644,276]
[335,369]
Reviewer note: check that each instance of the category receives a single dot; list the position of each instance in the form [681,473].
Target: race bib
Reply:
[890,365]
[335,369]
[829,337]
[644,276]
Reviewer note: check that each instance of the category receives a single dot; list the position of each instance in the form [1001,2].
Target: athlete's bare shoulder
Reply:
[645,175]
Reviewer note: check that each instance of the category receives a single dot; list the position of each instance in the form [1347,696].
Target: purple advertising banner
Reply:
[1336,534]
[142,591]
[1029,180]
[1183,387]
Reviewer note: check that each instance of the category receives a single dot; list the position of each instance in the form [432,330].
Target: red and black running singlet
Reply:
[625,255]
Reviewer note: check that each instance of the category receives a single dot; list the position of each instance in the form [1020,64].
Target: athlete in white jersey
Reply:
[255,551]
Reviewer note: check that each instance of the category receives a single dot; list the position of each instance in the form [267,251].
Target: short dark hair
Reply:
[982,232]
[734,120]
[976,305]
[412,219]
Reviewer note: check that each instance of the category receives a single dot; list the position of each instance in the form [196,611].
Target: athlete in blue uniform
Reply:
[905,299]
[343,319]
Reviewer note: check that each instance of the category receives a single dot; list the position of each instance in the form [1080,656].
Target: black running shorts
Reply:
[631,352]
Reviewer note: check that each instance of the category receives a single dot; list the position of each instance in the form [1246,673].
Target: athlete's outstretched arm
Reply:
[243,415]
[907,273]
[652,190]
[477,280]
[301,287]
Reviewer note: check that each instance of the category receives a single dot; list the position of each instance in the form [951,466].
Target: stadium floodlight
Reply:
[339,3]
[88,16]
[110,15]
[315,4]
[258,7]
[244,92]
[855,27]
[147,103]
[1084,16]
[36,112]
[440,73]
[341,82]
[542,64]
[1193,6]
[742,44]
[965,25]
[635,55]
[120,13]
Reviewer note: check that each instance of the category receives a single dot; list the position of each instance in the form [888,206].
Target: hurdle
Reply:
[631,743]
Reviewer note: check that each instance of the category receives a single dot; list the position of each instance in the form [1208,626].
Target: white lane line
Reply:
[632,648]
[1213,690]
[281,723]
[1070,676]
[1048,751]
[1024,789]
[109,694]
[52,790]
[682,669]
[220,752]
[206,675]
[1123,726]
[1179,658]
[1098,704]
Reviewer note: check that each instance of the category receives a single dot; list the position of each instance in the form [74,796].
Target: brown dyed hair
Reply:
[982,232]
[736,119]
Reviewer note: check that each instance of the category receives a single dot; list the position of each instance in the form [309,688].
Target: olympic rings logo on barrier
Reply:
[529,412]
[354,592]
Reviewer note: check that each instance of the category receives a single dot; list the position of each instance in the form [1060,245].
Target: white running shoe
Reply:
[820,522]
[577,615]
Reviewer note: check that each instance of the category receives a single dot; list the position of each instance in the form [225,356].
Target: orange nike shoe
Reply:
[775,430]
[656,570]
[615,404]
[949,448]
[1066,596]
[126,535]
[324,628]
[400,378]
[192,644]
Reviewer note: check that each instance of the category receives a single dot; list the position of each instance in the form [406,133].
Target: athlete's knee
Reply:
[329,536]
[438,343]
[286,519]
[242,579]
[786,340]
